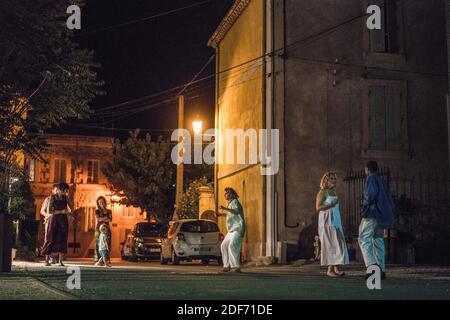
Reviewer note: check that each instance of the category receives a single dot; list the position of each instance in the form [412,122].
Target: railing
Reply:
[418,199]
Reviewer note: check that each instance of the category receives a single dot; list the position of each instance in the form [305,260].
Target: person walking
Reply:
[104,246]
[231,245]
[58,226]
[334,251]
[378,215]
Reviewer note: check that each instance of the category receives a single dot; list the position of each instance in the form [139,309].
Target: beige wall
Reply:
[240,104]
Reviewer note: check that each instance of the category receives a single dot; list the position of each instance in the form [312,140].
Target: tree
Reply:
[45,78]
[190,199]
[140,173]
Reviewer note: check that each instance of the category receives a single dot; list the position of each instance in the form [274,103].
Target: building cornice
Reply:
[227,22]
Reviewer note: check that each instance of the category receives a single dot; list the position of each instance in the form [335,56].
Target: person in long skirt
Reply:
[333,247]
[231,245]
[58,226]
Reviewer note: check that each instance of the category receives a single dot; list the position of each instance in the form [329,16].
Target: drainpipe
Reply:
[284,56]
[271,229]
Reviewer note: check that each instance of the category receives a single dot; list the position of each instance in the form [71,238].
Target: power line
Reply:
[321,61]
[143,19]
[198,74]
[243,65]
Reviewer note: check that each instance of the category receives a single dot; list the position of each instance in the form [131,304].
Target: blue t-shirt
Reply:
[102,242]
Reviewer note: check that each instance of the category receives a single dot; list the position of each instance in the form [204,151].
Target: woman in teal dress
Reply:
[333,247]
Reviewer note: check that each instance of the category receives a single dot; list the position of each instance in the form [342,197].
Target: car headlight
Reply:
[158,240]
[140,240]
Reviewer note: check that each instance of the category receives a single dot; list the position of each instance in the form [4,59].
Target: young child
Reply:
[103,247]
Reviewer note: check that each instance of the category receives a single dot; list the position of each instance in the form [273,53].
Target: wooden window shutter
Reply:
[391,26]
[393,119]
[63,171]
[377,120]
[378,37]
[56,172]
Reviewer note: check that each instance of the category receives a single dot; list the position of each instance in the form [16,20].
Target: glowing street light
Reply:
[197,126]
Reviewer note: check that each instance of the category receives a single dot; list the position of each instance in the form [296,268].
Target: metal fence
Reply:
[421,201]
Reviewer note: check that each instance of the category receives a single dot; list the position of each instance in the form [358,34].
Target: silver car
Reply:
[189,240]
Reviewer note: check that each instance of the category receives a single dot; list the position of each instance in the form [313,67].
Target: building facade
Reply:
[341,95]
[77,160]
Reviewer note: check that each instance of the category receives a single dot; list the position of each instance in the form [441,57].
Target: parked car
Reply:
[144,242]
[192,240]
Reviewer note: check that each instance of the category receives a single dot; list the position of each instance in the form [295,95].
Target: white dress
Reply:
[332,241]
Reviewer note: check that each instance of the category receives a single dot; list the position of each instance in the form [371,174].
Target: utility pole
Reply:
[180,166]
[6,231]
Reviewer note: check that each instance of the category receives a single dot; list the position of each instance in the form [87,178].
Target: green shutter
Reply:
[391,26]
[393,119]
[378,37]
[377,121]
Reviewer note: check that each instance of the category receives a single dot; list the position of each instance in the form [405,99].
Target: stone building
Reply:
[77,160]
[341,95]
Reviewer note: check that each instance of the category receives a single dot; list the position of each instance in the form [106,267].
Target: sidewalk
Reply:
[308,268]
[300,267]
[299,280]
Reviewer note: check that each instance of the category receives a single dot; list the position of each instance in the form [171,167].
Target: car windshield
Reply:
[199,227]
[149,229]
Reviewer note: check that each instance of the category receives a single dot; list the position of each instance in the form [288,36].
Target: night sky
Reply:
[141,59]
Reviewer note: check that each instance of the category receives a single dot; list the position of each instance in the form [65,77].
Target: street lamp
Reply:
[197,126]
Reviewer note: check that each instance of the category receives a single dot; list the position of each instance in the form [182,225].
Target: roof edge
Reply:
[227,22]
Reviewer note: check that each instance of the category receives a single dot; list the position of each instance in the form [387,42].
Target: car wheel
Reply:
[175,259]
[219,261]
[205,262]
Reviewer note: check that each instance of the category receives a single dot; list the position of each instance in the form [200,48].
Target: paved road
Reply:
[152,281]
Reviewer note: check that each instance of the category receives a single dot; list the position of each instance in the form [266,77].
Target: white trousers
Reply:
[371,241]
[231,250]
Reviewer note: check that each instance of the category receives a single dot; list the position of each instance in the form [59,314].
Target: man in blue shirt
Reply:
[378,214]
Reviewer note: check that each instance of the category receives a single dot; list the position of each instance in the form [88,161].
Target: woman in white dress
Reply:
[231,245]
[333,247]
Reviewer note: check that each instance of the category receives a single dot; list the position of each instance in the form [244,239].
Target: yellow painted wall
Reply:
[240,98]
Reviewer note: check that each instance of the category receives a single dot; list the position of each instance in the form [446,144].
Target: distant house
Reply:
[341,95]
[77,160]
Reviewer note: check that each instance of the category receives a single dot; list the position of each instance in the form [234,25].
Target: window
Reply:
[59,173]
[387,39]
[385,119]
[93,171]
[199,227]
[76,171]
[89,220]
[128,212]
[45,171]
[30,168]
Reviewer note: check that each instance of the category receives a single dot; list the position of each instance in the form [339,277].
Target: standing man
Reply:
[378,214]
